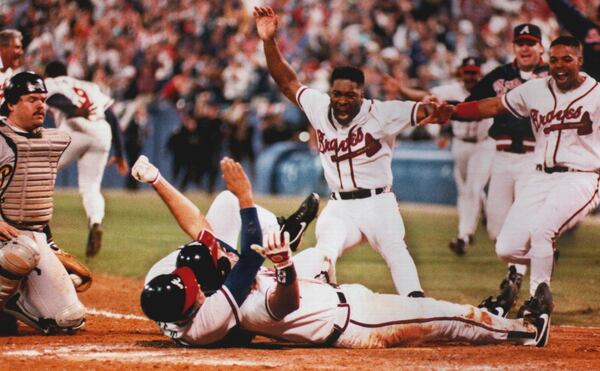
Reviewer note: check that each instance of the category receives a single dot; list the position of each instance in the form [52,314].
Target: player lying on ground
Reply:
[183,291]
[562,187]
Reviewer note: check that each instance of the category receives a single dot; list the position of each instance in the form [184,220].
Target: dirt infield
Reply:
[117,337]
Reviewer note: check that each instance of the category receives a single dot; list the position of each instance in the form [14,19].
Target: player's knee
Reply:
[18,257]
[504,248]
[71,317]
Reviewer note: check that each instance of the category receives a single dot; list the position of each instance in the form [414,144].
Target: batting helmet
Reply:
[23,83]
[171,297]
[202,258]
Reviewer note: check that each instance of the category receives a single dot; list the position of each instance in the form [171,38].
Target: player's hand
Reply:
[144,171]
[430,98]
[443,142]
[7,231]
[266,22]
[276,248]
[122,166]
[237,182]
[436,114]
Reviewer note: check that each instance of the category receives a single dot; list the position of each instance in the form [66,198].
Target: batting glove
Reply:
[276,248]
[144,171]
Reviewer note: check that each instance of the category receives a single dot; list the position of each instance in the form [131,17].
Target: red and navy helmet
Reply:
[171,297]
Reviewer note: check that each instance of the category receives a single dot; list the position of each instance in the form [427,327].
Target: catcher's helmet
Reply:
[201,257]
[171,297]
[23,83]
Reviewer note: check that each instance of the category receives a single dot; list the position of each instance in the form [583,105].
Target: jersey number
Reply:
[84,99]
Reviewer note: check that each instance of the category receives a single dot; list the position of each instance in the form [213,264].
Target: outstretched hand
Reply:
[266,22]
[438,114]
[144,171]
[237,182]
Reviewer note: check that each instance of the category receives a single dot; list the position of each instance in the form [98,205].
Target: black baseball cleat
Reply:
[501,304]
[94,242]
[297,223]
[537,311]
[8,325]
[459,246]
[512,276]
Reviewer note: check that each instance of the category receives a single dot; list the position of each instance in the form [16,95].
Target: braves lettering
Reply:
[501,86]
[583,125]
[326,145]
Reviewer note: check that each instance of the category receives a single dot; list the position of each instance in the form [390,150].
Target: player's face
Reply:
[565,64]
[528,54]
[29,111]
[12,55]
[346,98]
[470,78]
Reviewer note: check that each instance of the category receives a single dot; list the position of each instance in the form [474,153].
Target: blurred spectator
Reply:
[240,134]
[184,144]
[210,133]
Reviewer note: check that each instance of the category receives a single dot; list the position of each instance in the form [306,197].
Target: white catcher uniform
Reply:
[357,159]
[473,152]
[91,139]
[47,292]
[349,316]
[565,186]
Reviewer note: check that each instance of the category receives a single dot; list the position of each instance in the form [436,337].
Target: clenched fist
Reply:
[144,171]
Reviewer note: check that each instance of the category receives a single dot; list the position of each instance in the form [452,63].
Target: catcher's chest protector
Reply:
[26,200]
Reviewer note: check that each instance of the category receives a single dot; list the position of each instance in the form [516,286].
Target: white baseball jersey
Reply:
[455,91]
[563,122]
[359,154]
[352,310]
[81,93]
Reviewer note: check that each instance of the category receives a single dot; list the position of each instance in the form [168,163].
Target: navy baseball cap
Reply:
[527,31]
[471,64]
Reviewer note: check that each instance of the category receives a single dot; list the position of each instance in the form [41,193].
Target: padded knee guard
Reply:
[17,259]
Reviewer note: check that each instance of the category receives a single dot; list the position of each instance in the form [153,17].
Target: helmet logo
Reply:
[177,282]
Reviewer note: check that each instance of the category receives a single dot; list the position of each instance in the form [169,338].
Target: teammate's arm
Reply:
[117,142]
[286,297]
[279,68]
[188,216]
[571,18]
[477,110]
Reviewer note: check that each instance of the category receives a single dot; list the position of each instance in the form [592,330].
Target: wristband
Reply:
[468,111]
[156,179]
[286,276]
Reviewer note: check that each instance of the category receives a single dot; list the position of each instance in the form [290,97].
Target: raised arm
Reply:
[279,68]
[188,216]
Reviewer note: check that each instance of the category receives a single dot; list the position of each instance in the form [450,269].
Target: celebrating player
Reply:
[34,285]
[472,149]
[201,292]
[355,139]
[84,112]
[563,184]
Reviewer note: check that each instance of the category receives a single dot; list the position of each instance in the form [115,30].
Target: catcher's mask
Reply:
[23,83]
[171,297]
[202,256]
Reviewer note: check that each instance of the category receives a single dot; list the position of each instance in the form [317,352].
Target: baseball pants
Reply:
[344,224]
[384,320]
[548,205]
[90,146]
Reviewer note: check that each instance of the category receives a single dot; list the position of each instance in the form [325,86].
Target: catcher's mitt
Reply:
[79,273]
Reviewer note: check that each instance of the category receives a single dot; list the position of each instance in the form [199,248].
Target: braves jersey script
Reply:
[81,93]
[456,92]
[565,123]
[359,154]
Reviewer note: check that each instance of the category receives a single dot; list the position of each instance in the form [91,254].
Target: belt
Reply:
[469,139]
[337,330]
[358,194]
[562,169]
[508,148]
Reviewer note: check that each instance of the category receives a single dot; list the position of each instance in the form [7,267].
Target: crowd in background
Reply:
[203,56]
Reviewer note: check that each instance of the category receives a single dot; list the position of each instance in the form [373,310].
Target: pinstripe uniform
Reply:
[356,160]
[563,186]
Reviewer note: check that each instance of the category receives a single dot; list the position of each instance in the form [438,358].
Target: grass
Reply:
[138,230]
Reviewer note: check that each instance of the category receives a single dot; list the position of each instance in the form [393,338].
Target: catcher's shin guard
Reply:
[18,257]
[69,320]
